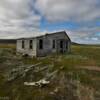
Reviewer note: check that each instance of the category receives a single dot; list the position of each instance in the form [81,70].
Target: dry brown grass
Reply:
[8,46]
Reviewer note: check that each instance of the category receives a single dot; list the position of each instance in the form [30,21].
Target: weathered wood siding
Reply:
[48,42]
[26,49]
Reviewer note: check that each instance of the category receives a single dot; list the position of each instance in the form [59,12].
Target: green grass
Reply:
[67,64]
[91,52]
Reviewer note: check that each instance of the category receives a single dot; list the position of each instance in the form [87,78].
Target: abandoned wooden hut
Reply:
[58,42]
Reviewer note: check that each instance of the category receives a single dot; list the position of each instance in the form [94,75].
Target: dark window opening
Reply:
[53,46]
[61,44]
[40,44]
[23,44]
[31,44]
[67,45]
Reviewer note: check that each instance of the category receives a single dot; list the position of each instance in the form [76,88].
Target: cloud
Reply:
[85,13]
[20,18]
[65,10]
[17,17]
[86,35]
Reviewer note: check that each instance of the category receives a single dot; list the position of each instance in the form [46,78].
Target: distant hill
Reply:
[7,41]
[74,43]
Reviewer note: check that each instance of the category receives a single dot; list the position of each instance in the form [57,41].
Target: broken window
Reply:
[40,44]
[67,45]
[23,44]
[53,45]
[31,44]
[61,44]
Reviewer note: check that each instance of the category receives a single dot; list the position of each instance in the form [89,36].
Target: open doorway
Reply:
[61,46]
[40,44]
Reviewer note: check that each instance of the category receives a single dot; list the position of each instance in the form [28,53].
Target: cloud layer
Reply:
[17,18]
[86,13]
[23,17]
[69,10]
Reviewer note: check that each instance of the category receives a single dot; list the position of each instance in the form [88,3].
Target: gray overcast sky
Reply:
[22,18]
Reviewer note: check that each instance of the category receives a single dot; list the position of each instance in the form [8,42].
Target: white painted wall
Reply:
[27,50]
[47,45]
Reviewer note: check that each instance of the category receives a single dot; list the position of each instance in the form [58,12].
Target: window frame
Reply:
[23,44]
[40,44]
[67,43]
[30,44]
[54,44]
[61,44]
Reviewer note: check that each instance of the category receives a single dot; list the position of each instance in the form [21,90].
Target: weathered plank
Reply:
[21,71]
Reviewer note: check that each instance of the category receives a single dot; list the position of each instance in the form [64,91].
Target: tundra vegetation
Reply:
[71,76]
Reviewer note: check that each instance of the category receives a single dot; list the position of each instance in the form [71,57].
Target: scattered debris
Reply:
[37,69]
[39,83]
[56,90]
[21,71]
[43,81]
[51,75]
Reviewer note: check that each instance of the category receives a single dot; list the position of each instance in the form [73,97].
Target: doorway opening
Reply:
[61,46]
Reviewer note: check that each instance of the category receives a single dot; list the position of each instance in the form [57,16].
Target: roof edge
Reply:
[45,35]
